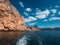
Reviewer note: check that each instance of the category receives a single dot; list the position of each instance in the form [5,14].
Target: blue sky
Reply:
[43,13]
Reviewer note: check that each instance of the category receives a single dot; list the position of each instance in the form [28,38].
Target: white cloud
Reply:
[21,3]
[59,12]
[42,14]
[28,9]
[50,7]
[45,20]
[52,15]
[54,18]
[38,11]
[54,10]
[57,6]
[26,13]
[32,24]
[29,19]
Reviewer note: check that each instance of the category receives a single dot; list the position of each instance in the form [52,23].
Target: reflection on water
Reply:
[40,38]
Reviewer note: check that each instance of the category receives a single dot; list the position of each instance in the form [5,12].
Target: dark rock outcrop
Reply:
[33,28]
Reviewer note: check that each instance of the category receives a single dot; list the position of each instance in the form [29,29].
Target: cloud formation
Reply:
[53,10]
[28,9]
[21,3]
[54,18]
[32,24]
[45,20]
[57,6]
[42,14]
[29,19]
[25,13]
[38,14]
[59,12]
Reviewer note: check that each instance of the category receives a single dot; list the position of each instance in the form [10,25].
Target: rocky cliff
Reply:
[11,23]
[9,17]
[33,28]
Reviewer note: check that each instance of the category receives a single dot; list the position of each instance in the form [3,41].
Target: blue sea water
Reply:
[40,38]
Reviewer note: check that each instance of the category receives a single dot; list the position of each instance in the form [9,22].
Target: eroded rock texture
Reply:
[9,17]
[11,23]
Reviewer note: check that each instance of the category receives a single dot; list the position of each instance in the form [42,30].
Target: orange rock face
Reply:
[10,18]
[11,23]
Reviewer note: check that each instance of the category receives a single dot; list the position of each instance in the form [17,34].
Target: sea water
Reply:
[40,38]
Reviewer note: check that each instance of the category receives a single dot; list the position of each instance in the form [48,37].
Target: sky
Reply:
[42,13]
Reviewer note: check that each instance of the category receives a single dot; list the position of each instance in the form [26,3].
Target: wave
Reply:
[40,38]
[29,39]
[22,41]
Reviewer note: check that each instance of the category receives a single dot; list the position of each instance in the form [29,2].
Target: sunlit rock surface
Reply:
[11,23]
[9,17]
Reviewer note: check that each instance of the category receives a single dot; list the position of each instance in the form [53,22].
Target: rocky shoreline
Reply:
[11,23]
[33,28]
